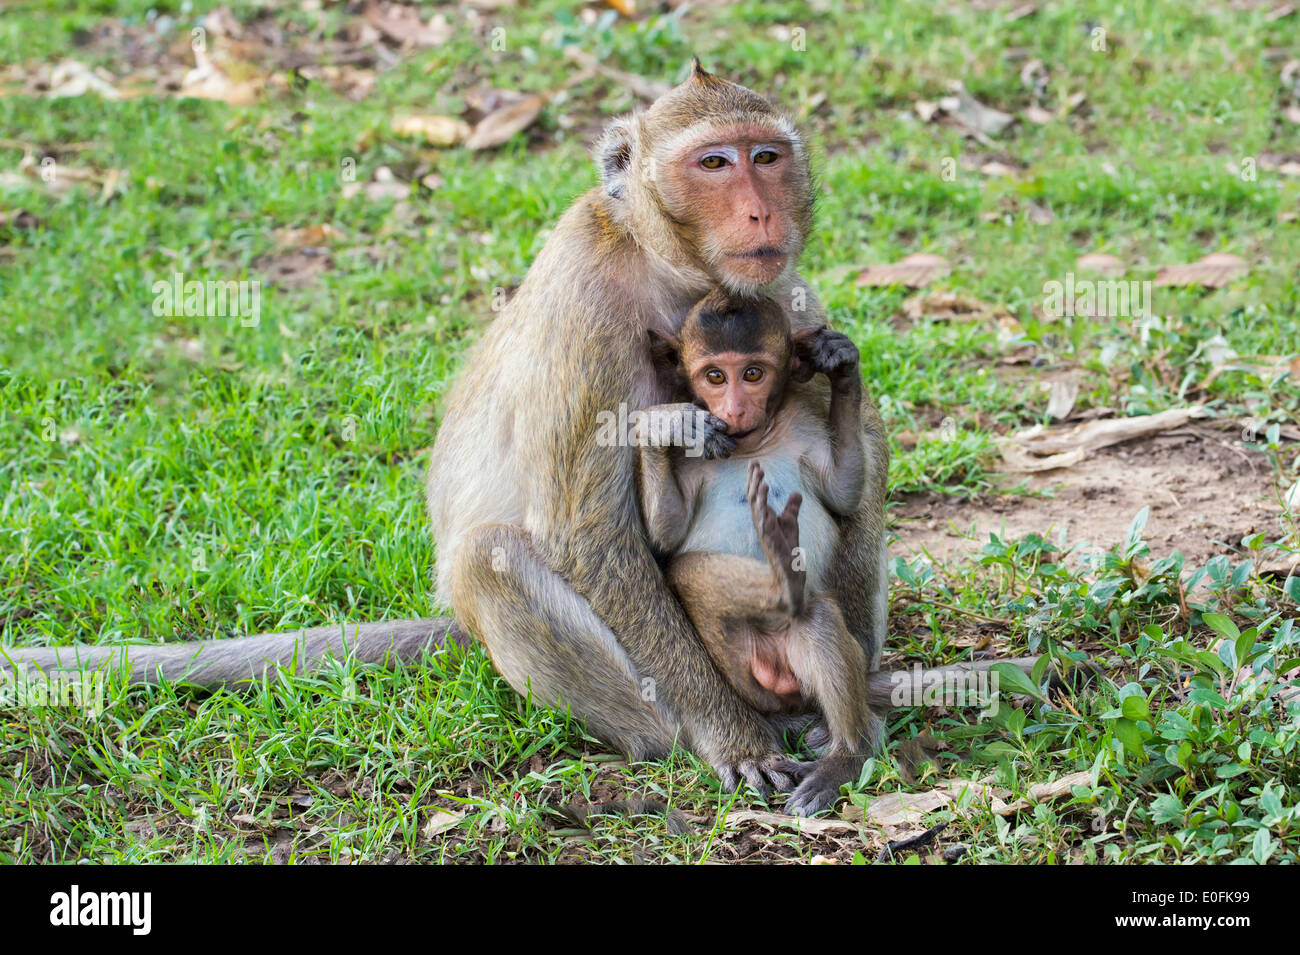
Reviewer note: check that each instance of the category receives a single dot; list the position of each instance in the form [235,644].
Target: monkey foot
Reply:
[778,535]
[779,773]
[820,788]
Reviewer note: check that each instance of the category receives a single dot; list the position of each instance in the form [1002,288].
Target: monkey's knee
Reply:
[822,641]
[545,639]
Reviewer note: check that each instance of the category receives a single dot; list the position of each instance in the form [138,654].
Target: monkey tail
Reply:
[222,663]
[678,824]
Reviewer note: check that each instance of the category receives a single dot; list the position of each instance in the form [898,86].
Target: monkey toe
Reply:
[820,789]
[753,773]
[815,794]
[785,773]
[818,737]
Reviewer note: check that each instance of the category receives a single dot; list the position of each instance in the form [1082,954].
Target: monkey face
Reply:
[737,387]
[741,192]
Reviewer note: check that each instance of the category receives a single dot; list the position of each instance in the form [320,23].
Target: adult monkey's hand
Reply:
[541,550]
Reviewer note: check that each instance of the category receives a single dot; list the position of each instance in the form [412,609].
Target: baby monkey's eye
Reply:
[753,373]
[714,376]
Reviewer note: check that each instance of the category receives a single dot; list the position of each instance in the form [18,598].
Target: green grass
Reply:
[187,477]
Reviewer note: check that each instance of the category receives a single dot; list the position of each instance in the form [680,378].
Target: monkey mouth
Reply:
[764,253]
[741,435]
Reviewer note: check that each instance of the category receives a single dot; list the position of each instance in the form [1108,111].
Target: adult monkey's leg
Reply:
[545,638]
[541,635]
[859,575]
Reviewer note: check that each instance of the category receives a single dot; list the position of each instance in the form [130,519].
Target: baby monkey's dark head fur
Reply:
[736,355]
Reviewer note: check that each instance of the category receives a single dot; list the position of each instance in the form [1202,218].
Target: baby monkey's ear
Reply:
[665,349]
[801,363]
[666,356]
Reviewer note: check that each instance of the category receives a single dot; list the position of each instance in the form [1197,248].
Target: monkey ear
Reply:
[801,363]
[665,350]
[614,155]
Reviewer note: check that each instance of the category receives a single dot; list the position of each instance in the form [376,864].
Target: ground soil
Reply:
[1205,488]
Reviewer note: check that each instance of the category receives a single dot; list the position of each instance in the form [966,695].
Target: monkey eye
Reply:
[765,157]
[714,376]
[713,162]
[753,373]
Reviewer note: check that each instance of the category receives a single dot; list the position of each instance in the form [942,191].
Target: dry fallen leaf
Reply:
[974,115]
[1039,214]
[440,820]
[208,80]
[71,78]
[1213,271]
[384,186]
[949,307]
[293,238]
[646,89]
[402,25]
[1039,116]
[908,809]
[433,129]
[1099,262]
[800,824]
[914,271]
[1061,401]
[998,169]
[498,126]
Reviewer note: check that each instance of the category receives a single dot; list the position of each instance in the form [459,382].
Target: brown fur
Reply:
[783,650]
[541,549]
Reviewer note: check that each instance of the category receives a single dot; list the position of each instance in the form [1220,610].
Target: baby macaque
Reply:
[748,517]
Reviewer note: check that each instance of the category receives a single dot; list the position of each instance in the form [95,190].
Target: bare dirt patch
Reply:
[1206,491]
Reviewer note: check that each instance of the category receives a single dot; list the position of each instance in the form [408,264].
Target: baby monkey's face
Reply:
[738,388]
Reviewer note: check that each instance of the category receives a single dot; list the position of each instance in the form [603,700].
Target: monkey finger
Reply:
[753,774]
[784,772]
[791,511]
[727,776]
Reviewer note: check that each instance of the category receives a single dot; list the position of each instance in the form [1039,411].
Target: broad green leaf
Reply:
[1245,644]
[1135,708]
[1293,588]
[1175,726]
[1166,808]
[1128,733]
[1012,679]
[1221,625]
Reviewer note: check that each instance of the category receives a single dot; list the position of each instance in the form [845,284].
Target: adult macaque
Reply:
[542,553]
[751,580]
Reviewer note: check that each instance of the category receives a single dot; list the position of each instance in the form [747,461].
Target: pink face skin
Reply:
[736,387]
[743,187]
